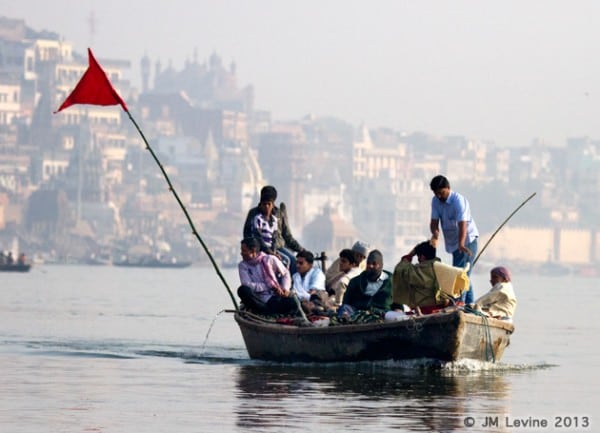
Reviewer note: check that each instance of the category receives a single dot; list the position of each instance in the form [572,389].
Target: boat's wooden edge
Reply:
[248,319]
[496,323]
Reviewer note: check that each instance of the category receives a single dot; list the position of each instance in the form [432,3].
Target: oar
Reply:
[294,295]
[502,225]
[185,212]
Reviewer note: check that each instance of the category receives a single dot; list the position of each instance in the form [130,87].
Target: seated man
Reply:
[334,273]
[309,282]
[348,269]
[500,302]
[265,281]
[429,283]
[370,291]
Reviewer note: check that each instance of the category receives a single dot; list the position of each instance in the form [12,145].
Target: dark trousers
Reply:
[460,260]
[288,257]
[275,305]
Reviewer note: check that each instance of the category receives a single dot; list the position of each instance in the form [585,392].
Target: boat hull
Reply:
[15,268]
[443,336]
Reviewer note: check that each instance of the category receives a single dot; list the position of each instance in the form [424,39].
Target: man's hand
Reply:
[434,238]
[465,250]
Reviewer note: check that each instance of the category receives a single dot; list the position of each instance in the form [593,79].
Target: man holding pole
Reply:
[452,210]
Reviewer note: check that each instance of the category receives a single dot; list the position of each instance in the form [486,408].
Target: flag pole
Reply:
[182,206]
[95,88]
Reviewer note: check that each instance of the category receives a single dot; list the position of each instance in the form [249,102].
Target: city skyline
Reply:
[507,72]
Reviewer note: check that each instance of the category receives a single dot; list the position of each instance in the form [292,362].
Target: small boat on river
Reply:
[152,262]
[449,335]
[15,267]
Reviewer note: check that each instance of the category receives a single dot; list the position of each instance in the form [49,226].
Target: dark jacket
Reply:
[282,237]
[356,297]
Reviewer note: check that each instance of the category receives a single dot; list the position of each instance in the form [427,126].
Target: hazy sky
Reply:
[507,71]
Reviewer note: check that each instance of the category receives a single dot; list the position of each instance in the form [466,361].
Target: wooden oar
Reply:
[502,225]
[185,212]
[294,295]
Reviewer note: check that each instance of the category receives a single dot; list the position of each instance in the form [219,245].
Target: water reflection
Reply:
[313,397]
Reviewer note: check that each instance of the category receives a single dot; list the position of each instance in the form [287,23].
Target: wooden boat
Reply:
[553,269]
[15,267]
[443,336]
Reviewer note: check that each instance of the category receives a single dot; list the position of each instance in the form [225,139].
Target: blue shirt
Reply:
[455,209]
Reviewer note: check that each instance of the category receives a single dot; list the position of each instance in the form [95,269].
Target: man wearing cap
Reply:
[500,301]
[370,291]
[334,273]
[268,224]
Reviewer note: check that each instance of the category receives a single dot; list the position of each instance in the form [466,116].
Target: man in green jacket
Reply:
[370,291]
[416,284]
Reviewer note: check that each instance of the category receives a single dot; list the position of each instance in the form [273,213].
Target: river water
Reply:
[124,350]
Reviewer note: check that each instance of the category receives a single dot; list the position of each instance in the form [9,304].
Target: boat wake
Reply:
[469,365]
[128,350]
[203,354]
[464,366]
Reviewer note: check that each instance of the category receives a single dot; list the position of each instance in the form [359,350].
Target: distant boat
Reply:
[589,271]
[152,262]
[553,269]
[15,267]
[98,260]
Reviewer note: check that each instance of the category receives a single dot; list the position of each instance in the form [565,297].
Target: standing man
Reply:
[460,232]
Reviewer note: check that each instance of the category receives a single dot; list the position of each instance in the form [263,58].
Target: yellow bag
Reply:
[453,281]
[427,284]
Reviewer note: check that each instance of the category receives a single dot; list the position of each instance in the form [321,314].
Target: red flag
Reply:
[93,88]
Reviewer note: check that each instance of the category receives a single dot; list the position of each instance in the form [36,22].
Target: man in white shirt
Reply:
[309,281]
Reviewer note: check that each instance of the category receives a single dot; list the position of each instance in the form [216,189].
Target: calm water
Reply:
[102,349]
